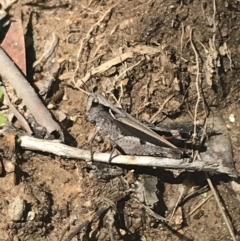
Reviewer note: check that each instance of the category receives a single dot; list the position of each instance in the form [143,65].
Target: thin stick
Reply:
[152,119]
[129,68]
[155,215]
[103,67]
[182,35]
[59,149]
[220,206]
[199,205]
[177,203]
[25,91]
[97,214]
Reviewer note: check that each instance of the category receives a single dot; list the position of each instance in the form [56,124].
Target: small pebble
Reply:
[51,106]
[16,209]
[31,215]
[88,204]
[228,126]
[9,166]
[232,118]
[122,232]
[65,97]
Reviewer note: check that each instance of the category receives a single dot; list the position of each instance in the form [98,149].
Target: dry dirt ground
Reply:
[165,37]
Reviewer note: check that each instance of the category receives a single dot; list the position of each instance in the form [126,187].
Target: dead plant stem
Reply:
[152,119]
[226,220]
[197,86]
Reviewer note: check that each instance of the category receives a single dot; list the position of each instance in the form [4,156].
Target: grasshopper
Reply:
[127,133]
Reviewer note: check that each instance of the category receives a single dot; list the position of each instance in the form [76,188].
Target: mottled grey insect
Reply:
[128,134]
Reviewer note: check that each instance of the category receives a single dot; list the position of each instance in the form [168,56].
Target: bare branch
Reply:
[208,164]
[25,91]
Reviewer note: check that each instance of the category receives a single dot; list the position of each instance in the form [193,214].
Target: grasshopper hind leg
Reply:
[92,138]
[114,147]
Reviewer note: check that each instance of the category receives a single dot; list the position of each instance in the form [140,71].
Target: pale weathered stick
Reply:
[25,91]
[53,147]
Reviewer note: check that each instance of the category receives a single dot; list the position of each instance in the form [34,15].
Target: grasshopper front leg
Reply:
[114,145]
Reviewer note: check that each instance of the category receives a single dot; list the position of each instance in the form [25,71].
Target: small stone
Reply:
[176,84]
[31,215]
[88,204]
[122,231]
[232,118]
[65,97]
[229,127]
[16,209]
[9,167]
[51,106]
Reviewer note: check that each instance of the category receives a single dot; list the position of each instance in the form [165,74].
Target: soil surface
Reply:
[180,50]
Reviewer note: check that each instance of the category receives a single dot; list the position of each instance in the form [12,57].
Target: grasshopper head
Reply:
[92,101]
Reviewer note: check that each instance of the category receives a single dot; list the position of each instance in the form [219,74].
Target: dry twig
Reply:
[209,164]
[152,120]
[220,206]
[25,91]
[198,206]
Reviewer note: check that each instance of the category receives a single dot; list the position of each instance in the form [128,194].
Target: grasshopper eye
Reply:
[95,101]
[92,101]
